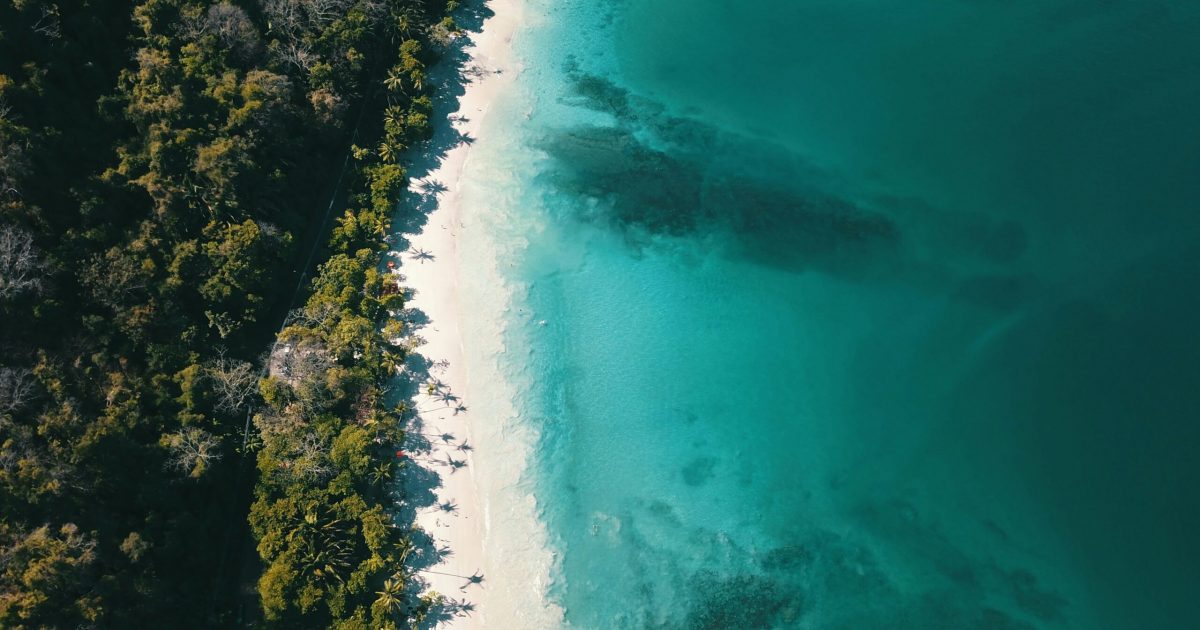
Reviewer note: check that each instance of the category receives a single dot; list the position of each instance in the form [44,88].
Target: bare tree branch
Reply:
[17,387]
[296,23]
[192,450]
[49,24]
[20,268]
[233,28]
[307,457]
[235,382]
[298,53]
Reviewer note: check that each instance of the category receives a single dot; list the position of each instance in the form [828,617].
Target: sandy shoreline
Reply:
[430,265]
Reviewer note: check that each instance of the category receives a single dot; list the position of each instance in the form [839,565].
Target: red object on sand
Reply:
[400,454]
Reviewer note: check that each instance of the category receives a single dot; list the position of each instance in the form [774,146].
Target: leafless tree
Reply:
[192,27]
[298,53]
[323,12]
[20,267]
[48,24]
[192,450]
[227,22]
[295,16]
[300,361]
[233,28]
[235,382]
[310,458]
[270,230]
[17,387]
[285,17]
[312,317]
[117,279]
[294,22]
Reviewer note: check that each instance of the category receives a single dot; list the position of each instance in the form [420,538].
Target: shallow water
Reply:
[855,314]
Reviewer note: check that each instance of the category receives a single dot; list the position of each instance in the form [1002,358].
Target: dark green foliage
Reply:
[158,169]
[321,511]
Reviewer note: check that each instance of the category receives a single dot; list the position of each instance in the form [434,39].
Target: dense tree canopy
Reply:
[159,166]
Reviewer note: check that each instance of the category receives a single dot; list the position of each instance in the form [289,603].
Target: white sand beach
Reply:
[459,522]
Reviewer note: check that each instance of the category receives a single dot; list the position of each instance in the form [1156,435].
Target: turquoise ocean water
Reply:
[856,313]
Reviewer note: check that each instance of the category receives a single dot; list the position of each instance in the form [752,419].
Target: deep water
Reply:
[859,313]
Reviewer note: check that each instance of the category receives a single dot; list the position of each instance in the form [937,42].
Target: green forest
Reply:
[193,431]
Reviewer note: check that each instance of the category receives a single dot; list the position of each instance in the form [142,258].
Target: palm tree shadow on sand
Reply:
[425,454]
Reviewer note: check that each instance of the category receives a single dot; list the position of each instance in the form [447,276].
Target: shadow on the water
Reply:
[427,451]
[818,576]
[652,175]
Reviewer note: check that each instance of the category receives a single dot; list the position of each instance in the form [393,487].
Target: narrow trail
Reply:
[238,519]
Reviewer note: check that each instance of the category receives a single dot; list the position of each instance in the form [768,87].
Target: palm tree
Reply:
[390,360]
[387,152]
[394,81]
[393,115]
[407,20]
[328,565]
[326,551]
[382,472]
[391,598]
[405,547]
